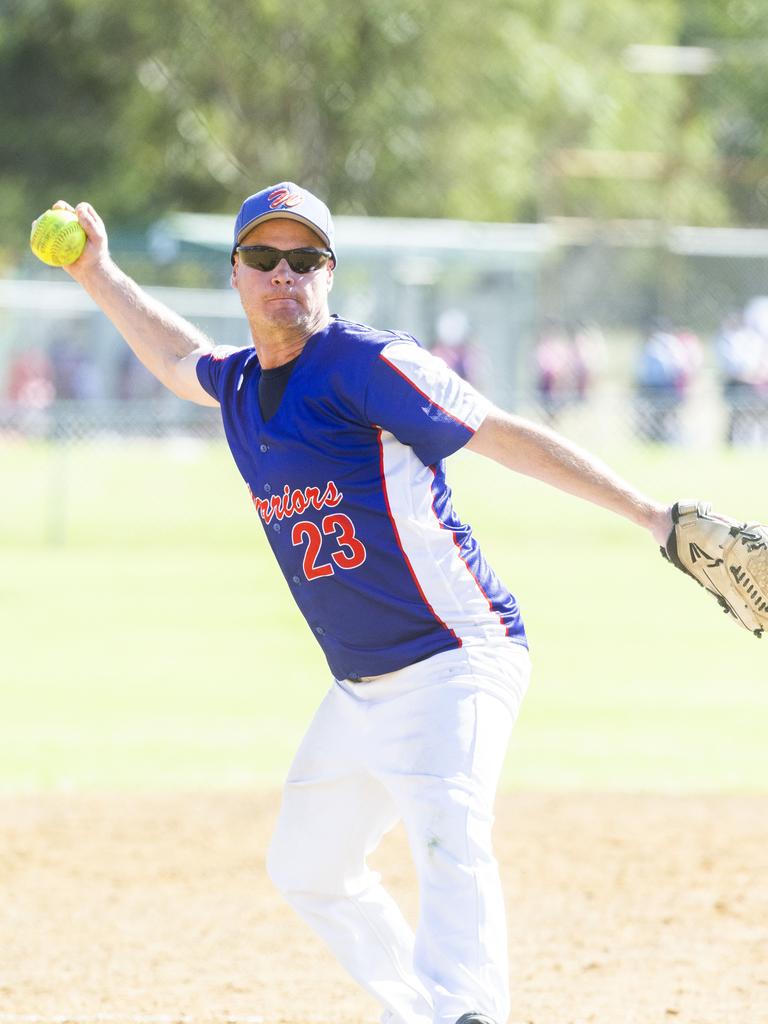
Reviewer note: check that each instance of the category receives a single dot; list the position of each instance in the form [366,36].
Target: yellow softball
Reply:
[57,238]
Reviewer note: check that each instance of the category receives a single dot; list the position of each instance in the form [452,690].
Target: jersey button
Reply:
[296,579]
[276,527]
[267,488]
[354,677]
[263,447]
[319,630]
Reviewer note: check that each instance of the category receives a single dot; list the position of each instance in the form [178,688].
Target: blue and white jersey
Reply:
[348,480]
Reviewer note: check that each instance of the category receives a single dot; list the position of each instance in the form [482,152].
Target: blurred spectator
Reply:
[692,355]
[756,315]
[134,381]
[553,370]
[669,361]
[75,372]
[454,345]
[564,364]
[588,346]
[30,379]
[742,353]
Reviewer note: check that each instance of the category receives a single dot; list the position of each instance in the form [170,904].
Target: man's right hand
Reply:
[167,344]
[96,250]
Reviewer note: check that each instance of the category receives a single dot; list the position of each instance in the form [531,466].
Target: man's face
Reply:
[282,298]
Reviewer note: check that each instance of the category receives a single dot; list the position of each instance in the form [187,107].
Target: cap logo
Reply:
[283,197]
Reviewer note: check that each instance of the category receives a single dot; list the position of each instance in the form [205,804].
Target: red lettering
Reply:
[299,503]
[350,552]
[344,530]
[332,495]
[312,494]
[262,507]
[291,503]
[306,530]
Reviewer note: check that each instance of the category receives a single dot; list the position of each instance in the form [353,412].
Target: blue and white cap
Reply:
[286,200]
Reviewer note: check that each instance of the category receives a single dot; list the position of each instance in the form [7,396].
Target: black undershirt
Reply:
[272,385]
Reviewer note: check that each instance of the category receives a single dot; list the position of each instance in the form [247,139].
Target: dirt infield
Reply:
[622,910]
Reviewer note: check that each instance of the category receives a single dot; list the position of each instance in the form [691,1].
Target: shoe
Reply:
[475,1018]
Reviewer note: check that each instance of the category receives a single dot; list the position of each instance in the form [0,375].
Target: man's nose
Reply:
[283,272]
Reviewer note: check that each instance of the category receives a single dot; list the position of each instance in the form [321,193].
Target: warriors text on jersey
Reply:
[348,480]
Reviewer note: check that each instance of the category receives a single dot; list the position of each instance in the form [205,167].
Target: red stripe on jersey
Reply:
[468,567]
[429,398]
[414,577]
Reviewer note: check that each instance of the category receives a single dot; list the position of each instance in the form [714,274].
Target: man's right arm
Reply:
[167,344]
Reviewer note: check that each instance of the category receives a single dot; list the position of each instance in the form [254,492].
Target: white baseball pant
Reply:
[426,745]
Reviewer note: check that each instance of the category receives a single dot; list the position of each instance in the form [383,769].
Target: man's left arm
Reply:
[528,448]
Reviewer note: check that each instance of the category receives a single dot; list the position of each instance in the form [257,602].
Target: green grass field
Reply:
[148,640]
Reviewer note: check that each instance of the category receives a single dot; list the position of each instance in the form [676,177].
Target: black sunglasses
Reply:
[265,257]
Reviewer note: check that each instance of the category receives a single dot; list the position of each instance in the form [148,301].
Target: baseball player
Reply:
[341,432]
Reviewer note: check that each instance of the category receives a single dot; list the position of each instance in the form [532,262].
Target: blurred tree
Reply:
[522,110]
[423,109]
[733,99]
[75,118]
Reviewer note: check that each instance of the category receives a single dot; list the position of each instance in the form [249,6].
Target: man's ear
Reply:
[233,275]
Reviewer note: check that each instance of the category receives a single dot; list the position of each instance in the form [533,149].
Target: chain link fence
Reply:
[70,422]
[611,415]
[589,328]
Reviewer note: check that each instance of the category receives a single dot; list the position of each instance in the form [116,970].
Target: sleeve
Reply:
[420,400]
[214,367]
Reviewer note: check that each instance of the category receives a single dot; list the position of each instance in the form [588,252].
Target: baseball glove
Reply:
[728,558]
